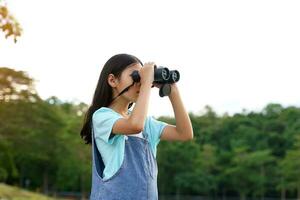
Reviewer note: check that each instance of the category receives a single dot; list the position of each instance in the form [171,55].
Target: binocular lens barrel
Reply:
[162,75]
[174,76]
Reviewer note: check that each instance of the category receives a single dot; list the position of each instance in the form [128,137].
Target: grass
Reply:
[8,192]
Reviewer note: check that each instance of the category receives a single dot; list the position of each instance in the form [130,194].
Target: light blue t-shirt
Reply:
[112,149]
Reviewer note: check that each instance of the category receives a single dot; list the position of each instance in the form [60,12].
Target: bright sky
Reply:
[230,54]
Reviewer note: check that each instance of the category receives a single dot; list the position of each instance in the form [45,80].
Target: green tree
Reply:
[16,86]
[289,170]
[8,23]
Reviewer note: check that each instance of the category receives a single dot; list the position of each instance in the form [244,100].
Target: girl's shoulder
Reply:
[105,110]
[110,112]
[104,114]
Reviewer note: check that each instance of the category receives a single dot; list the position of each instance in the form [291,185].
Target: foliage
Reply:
[8,23]
[247,154]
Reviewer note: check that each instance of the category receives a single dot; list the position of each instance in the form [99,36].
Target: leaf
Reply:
[9,24]
[3,11]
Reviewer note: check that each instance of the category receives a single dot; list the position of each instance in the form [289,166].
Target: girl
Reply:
[124,142]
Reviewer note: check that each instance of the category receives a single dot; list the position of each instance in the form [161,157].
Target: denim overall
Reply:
[136,179]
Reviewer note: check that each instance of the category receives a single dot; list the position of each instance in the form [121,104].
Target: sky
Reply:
[231,55]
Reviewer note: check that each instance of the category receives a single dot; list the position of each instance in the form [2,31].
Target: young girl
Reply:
[124,142]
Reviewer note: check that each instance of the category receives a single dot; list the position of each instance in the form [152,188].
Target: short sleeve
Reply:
[103,121]
[156,128]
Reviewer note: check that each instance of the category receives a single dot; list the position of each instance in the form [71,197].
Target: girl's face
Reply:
[118,85]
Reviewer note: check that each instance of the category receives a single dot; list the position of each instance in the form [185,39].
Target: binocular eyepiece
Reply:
[162,75]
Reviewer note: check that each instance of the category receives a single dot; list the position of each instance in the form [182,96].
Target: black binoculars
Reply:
[162,75]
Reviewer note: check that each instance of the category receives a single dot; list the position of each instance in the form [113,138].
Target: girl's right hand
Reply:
[147,73]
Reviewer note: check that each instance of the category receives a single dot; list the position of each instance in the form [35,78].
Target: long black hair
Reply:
[103,93]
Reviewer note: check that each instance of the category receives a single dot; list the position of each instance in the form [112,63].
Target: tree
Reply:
[247,172]
[16,85]
[289,169]
[8,23]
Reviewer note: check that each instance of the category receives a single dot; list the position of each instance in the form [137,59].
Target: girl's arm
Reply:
[139,113]
[183,130]
[135,123]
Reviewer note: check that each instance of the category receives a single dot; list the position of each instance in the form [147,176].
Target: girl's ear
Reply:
[112,80]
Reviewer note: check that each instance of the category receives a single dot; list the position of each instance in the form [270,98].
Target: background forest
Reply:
[248,154]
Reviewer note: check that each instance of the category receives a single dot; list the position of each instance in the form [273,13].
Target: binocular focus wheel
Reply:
[164,90]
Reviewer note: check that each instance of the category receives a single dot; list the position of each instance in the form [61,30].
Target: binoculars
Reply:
[162,75]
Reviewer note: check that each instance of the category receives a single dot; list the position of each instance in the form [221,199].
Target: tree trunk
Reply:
[223,194]
[282,193]
[177,193]
[21,177]
[243,196]
[82,187]
[45,181]
[298,191]
[263,183]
